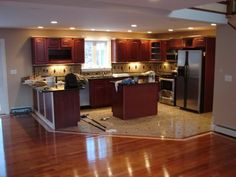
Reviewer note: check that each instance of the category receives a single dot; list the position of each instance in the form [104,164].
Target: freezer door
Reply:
[193,87]
[180,80]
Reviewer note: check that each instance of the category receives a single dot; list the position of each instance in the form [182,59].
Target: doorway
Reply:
[4,106]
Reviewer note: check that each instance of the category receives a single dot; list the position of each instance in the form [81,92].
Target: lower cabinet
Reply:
[100,92]
[57,109]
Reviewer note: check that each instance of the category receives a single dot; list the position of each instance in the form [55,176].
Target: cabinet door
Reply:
[39,51]
[155,50]
[100,91]
[199,42]
[53,42]
[133,53]
[145,50]
[175,43]
[121,50]
[78,51]
[67,42]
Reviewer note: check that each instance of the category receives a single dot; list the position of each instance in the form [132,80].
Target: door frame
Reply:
[3,68]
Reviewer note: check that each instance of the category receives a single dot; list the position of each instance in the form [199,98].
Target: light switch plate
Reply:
[228,78]
[13,71]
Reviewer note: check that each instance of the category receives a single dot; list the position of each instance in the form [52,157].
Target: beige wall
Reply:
[224,109]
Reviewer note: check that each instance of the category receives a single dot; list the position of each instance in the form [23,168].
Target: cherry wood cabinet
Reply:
[78,50]
[100,92]
[175,44]
[133,101]
[57,50]
[155,50]
[145,50]
[38,46]
[130,50]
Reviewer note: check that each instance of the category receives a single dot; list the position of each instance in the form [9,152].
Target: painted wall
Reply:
[224,111]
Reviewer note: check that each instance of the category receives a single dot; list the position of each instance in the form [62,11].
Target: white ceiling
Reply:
[116,15]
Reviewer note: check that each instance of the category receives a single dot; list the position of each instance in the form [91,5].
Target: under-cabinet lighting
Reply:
[170,30]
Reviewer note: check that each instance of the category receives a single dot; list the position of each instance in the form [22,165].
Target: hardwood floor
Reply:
[26,149]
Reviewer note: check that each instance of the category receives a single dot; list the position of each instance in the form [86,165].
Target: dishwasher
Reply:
[84,95]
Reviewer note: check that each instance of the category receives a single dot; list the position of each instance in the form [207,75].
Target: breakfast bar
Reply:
[57,107]
[136,100]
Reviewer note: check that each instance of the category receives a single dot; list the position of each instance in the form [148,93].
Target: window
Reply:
[97,55]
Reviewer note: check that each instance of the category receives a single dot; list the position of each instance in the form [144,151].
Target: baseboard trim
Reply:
[225,130]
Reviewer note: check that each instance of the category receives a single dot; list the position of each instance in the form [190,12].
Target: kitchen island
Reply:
[57,107]
[136,100]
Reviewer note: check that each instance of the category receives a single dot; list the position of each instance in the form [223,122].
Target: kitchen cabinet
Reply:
[78,50]
[38,47]
[145,50]
[130,101]
[100,92]
[155,50]
[57,50]
[129,50]
[57,109]
[175,44]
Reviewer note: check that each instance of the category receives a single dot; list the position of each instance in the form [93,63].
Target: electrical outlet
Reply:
[228,78]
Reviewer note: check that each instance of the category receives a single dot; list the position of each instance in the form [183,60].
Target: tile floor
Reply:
[171,122]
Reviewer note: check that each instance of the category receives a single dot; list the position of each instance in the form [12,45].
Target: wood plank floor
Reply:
[27,149]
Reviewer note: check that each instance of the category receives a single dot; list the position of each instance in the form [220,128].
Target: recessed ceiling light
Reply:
[108,30]
[92,29]
[134,25]
[129,31]
[149,32]
[213,24]
[170,30]
[54,22]
[72,28]
[40,27]
[190,28]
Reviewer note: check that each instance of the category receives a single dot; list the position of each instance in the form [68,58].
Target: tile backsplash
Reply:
[132,67]
[56,70]
[140,67]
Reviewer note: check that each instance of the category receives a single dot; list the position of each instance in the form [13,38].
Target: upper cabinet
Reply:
[78,50]
[126,50]
[155,50]
[57,50]
[38,46]
[130,50]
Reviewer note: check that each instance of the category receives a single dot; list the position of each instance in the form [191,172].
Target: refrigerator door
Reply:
[193,80]
[180,80]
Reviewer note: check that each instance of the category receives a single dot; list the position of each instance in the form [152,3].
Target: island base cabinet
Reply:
[66,108]
[133,101]
[57,109]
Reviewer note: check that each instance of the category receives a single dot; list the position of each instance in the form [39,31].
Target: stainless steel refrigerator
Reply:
[189,79]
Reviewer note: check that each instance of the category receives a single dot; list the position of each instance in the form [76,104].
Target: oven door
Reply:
[167,91]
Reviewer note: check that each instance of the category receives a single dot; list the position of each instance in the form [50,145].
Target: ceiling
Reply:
[101,15]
